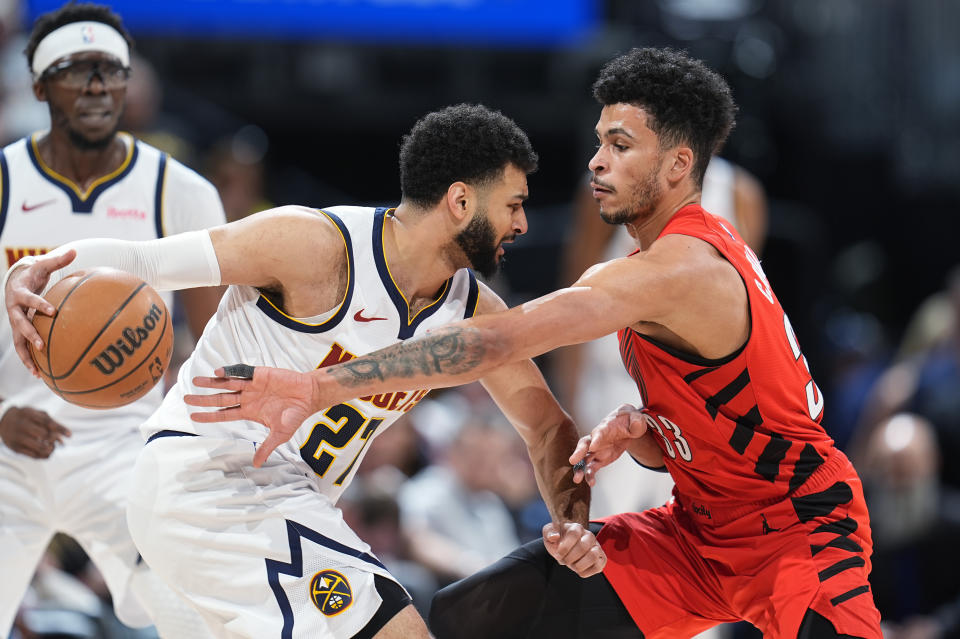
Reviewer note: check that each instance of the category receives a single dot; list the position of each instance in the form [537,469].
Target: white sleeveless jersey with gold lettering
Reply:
[373,313]
[81,489]
[149,195]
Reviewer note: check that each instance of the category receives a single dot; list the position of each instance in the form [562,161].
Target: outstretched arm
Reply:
[680,284]
[455,354]
[463,352]
[282,249]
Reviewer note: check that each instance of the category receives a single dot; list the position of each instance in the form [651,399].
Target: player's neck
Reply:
[414,253]
[646,230]
[80,166]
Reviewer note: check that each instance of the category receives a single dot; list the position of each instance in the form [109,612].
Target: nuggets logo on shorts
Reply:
[330,592]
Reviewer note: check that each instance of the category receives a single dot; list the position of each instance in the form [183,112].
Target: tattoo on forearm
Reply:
[363,371]
[447,351]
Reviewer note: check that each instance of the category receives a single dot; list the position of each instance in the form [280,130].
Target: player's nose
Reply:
[520,222]
[597,163]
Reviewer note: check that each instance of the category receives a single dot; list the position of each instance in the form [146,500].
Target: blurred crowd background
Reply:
[849,125]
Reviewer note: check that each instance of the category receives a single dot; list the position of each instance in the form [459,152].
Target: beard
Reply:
[479,244]
[83,143]
[642,201]
[78,139]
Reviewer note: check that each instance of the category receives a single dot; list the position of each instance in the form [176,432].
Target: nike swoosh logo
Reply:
[360,318]
[27,209]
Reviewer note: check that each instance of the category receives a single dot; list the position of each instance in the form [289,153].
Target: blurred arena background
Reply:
[849,118]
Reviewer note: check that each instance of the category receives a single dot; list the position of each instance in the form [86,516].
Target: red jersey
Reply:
[744,428]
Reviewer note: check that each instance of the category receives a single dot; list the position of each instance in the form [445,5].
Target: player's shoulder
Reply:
[333,216]
[301,223]
[687,256]
[15,149]
[19,143]
[176,171]
[349,214]
[487,300]
[308,239]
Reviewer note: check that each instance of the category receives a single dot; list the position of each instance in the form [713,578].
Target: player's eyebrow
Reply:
[617,130]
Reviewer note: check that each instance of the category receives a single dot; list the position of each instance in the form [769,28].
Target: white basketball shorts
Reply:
[259,552]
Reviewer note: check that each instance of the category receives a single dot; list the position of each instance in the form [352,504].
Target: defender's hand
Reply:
[575,547]
[606,442]
[278,398]
[22,299]
[31,432]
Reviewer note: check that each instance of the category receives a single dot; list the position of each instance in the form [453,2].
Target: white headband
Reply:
[77,37]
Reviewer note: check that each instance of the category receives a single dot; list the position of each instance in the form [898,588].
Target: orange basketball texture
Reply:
[109,342]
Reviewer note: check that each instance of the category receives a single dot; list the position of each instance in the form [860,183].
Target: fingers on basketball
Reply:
[109,342]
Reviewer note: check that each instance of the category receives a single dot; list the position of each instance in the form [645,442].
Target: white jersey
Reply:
[717,195]
[250,329]
[149,195]
[81,489]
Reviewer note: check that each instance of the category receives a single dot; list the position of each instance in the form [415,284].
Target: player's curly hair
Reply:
[463,143]
[687,102]
[67,14]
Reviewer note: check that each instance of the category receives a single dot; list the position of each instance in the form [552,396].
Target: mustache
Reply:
[598,182]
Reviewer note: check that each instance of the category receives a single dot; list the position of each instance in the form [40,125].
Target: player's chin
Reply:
[96,135]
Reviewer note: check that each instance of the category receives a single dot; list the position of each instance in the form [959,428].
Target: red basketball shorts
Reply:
[790,566]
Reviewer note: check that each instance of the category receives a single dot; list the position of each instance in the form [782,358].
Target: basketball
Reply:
[109,341]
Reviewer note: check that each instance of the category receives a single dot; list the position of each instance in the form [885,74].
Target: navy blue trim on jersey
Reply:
[472,297]
[169,433]
[276,568]
[407,327]
[78,204]
[158,196]
[277,315]
[4,189]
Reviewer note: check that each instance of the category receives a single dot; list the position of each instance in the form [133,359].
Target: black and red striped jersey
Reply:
[744,428]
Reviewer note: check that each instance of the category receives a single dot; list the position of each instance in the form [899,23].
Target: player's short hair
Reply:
[464,143]
[70,13]
[686,102]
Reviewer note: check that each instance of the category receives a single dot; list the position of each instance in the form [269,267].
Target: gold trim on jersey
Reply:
[386,263]
[83,195]
[346,291]
[162,204]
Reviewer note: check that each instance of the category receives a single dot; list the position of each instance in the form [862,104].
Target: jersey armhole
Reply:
[4,189]
[658,469]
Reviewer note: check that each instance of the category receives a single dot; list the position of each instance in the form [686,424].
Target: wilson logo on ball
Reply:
[108,343]
[113,356]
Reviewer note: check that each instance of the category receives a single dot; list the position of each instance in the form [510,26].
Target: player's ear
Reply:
[40,91]
[682,165]
[459,201]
